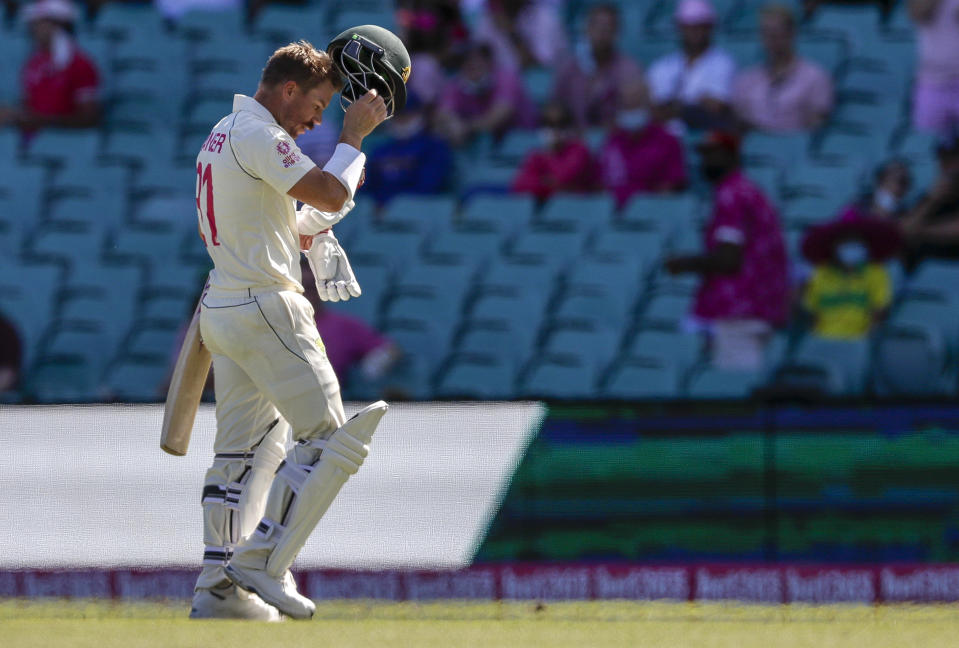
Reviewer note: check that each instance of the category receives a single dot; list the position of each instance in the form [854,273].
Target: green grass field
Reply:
[99,624]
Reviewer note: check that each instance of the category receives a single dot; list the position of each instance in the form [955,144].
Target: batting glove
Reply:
[335,280]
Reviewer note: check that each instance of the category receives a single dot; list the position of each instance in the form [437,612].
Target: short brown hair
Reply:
[302,63]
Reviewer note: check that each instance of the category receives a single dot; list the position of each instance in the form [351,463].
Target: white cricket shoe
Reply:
[281,594]
[231,602]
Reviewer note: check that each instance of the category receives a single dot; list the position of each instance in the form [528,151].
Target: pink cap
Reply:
[695,12]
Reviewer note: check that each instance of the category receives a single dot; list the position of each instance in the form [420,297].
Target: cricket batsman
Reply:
[275,388]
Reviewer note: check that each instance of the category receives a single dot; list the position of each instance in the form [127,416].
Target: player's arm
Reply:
[330,188]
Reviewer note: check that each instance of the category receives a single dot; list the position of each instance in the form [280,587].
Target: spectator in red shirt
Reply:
[640,155]
[483,97]
[59,82]
[744,269]
[563,164]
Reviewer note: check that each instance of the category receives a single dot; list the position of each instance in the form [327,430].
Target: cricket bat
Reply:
[186,389]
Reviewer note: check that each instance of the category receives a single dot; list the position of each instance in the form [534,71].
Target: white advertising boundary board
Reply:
[88,486]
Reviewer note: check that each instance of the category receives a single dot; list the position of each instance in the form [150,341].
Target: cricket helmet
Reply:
[370,57]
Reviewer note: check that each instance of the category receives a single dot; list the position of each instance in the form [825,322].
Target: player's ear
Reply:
[289,89]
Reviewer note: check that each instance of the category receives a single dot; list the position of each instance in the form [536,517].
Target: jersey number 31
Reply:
[204,178]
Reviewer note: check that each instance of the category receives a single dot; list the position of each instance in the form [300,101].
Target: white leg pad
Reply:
[304,491]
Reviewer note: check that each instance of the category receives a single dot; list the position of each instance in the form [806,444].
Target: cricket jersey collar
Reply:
[242,102]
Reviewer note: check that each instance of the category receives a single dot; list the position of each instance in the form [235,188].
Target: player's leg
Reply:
[292,369]
[250,443]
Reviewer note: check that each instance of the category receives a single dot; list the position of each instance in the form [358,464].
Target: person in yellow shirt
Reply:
[850,289]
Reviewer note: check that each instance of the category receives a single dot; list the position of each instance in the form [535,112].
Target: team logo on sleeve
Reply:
[289,158]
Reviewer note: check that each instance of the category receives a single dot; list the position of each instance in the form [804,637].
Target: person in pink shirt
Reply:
[640,155]
[744,292]
[483,97]
[564,164]
[590,82]
[349,341]
[787,92]
[936,95]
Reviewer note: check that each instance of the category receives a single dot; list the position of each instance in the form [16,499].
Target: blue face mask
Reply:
[852,254]
[632,120]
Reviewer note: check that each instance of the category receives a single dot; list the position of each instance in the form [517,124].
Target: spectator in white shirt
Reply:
[694,84]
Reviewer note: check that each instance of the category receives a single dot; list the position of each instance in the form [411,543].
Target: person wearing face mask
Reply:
[60,84]
[893,182]
[640,156]
[849,290]
[412,160]
[484,97]
[563,163]
[744,292]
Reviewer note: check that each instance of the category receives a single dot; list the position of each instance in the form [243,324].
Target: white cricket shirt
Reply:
[244,170]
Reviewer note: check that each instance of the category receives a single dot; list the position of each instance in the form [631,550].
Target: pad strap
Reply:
[217,556]
[346,165]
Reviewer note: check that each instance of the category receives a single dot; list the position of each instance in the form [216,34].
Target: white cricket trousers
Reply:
[271,374]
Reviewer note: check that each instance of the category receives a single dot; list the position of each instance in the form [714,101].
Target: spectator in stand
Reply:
[436,37]
[787,92]
[350,343]
[564,164]
[744,292]
[931,228]
[413,160]
[936,96]
[59,82]
[888,200]
[483,98]
[591,82]
[523,33]
[850,290]
[11,356]
[694,84]
[640,156]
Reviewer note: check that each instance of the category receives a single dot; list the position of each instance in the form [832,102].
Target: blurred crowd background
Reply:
[618,200]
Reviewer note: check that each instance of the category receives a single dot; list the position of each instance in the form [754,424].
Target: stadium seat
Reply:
[829,52]
[642,378]
[592,306]
[467,243]
[935,276]
[675,349]
[575,211]
[511,275]
[507,341]
[138,378]
[560,375]
[502,213]
[858,25]
[538,83]
[515,147]
[776,150]
[711,383]
[28,296]
[802,211]
[666,310]
[154,243]
[662,213]
[176,212]
[69,243]
[425,214]
[850,358]
[281,24]
[911,359]
[56,146]
[122,21]
[552,247]
[154,339]
[397,245]
[58,378]
[619,273]
[474,375]
[931,308]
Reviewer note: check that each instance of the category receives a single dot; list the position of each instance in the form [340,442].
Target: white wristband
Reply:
[346,165]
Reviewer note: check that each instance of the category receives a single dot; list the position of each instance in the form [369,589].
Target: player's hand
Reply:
[363,115]
[306,242]
[335,280]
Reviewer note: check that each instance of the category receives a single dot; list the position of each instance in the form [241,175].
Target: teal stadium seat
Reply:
[595,346]
[538,83]
[425,214]
[152,339]
[507,341]
[395,245]
[592,306]
[643,378]
[911,359]
[72,244]
[561,376]
[501,213]
[138,378]
[579,212]
[849,358]
[468,243]
[553,247]
[936,309]
[859,25]
[666,310]
[122,21]
[473,375]
[711,383]
[55,146]
[282,24]
[660,213]
[674,349]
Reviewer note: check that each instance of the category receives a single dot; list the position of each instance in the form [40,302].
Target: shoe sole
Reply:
[250,587]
